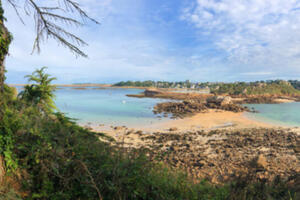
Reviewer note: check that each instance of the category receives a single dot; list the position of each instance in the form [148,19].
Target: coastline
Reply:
[99,85]
[214,119]
[216,146]
[86,86]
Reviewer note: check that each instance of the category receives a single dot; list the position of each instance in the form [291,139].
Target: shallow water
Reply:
[108,106]
[287,114]
[111,106]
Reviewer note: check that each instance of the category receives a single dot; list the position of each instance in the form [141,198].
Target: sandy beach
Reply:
[211,120]
[214,119]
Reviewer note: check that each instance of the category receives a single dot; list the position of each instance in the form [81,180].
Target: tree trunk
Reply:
[5,39]
[2,170]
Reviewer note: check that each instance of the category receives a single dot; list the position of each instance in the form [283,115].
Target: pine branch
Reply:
[47,20]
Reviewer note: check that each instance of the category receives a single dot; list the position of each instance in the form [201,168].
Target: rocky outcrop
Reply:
[258,100]
[215,99]
[165,94]
[152,92]
[179,109]
[222,155]
[191,107]
[219,100]
[264,99]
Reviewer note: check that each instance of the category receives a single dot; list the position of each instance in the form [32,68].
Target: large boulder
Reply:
[219,100]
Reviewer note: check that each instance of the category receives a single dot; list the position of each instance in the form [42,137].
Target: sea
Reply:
[111,106]
[284,114]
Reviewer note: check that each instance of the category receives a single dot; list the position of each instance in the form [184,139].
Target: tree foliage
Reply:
[5,40]
[271,87]
[40,92]
[51,19]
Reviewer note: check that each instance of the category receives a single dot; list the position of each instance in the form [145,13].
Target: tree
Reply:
[49,17]
[40,92]
[5,39]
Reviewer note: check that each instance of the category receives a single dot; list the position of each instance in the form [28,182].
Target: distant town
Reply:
[257,87]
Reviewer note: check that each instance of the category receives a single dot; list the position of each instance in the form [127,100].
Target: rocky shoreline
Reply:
[193,103]
[191,107]
[222,155]
[239,99]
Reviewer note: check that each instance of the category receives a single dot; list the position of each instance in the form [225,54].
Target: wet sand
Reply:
[214,119]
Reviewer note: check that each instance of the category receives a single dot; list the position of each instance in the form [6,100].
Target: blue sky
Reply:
[199,40]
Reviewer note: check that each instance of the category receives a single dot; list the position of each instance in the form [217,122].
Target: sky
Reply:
[171,40]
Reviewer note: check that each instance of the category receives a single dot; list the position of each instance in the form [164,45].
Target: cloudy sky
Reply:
[199,40]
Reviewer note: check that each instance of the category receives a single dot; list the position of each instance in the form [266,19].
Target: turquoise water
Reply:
[111,106]
[106,106]
[281,114]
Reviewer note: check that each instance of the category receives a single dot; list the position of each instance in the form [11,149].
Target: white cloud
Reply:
[262,73]
[127,44]
[251,32]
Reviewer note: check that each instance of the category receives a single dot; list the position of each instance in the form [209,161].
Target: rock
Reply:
[261,161]
[130,132]
[233,108]
[179,109]
[260,152]
[219,100]
[226,100]
[117,128]
[173,129]
[258,100]
[297,149]
[151,92]
[200,164]
[139,132]
[174,148]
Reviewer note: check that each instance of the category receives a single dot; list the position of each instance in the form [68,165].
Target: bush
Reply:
[60,160]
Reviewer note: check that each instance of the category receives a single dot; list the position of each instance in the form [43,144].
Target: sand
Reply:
[281,100]
[214,119]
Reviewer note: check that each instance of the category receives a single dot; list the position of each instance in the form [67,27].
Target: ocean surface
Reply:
[287,114]
[109,106]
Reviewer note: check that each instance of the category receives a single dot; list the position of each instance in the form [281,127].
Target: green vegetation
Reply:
[46,155]
[50,157]
[5,40]
[295,84]
[158,84]
[277,87]
[41,92]
[140,84]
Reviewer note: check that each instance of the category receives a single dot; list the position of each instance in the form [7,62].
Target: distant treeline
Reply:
[271,87]
[161,84]
[295,84]
[278,87]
